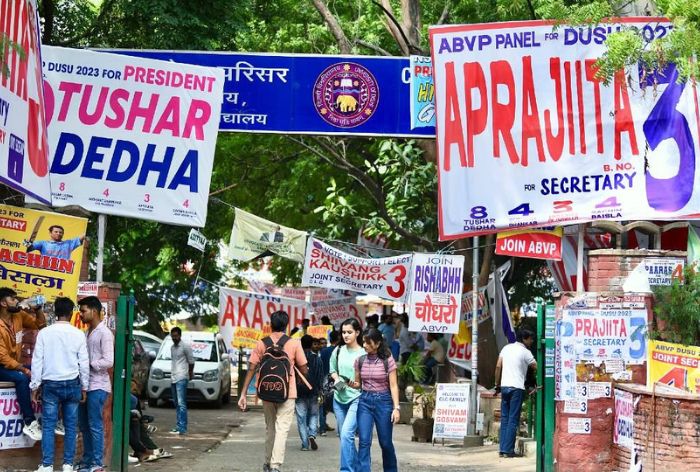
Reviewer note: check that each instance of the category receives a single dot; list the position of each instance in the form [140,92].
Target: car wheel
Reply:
[227,394]
[218,403]
[153,402]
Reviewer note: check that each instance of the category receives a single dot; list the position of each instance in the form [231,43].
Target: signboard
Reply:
[579,425]
[451,411]
[535,243]
[129,136]
[530,136]
[319,331]
[663,270]
[11,422]
[196,240]
[422,93]
[24,153]
[253,310]
[578,406]
[253,237]
[309,94]
[623,428]
[674,364]
[40,252]
[88,289]
[436,293]
[246,338]
[328,267]
[337,310]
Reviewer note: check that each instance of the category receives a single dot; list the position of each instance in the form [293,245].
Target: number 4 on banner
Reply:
[522,209]
[186,203]
[106,193]
[676,377]
[608,202]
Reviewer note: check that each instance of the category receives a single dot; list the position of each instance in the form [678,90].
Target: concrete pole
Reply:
[475,336]
[579,258]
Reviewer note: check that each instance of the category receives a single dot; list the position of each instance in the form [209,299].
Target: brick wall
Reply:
[609,268]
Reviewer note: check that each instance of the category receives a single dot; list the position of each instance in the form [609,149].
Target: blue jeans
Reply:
[179,393]
[322,425]
[346,419]
[92,428]
[66,395]
[375,410]
[429,364]
[511,404]
[307,419]
[24,394]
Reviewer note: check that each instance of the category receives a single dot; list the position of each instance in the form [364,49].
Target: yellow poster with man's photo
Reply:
[40,252]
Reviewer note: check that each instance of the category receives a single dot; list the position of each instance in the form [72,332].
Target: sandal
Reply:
[162,453]
[150,458]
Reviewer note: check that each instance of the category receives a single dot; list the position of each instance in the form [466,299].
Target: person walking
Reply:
[277,359]
[100,346]
[307,398]
[327,400]
[181,372]
[511,370]
[346,398]
[375,375]
[60,376]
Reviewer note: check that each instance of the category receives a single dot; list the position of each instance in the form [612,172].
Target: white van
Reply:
[212,370]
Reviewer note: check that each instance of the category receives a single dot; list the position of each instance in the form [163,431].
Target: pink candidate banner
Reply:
[529,135]
[130,136]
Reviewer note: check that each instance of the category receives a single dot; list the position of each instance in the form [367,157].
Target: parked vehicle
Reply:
[140,366]
[212,370]
[151,343]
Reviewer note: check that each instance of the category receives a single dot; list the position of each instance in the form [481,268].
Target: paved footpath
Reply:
[231,441]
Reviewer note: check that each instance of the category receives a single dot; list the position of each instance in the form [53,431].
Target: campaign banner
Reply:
[422,93]
[24,151]
[88,289]
[451,414]
[253,310]
[674,364]
[298,293]
[246,338]
[11,421]
[336,309]
[254,237]
[328,267]
[130,136]
[196,240]
[520,108]
[41,252]
[663,270]
[308,94]
[436,293]
[538,243]
[623,426]
[319,331]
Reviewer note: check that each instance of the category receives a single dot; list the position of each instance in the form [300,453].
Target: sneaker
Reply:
[45,468]
[60,430]
[151,428]
[304,448]
[328,428]
[67,468]
[174,431]
[266,467]
[33,431]
[314,446]
[133,460]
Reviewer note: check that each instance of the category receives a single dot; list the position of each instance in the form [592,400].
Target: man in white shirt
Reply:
[60,375]
[181,372]
[511,369]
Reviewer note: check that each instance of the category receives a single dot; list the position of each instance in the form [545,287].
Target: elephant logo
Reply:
[346,95]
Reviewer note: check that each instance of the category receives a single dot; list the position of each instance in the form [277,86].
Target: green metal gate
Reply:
[121,404]
[545,396]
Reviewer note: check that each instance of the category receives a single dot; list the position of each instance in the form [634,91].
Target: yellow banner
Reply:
[319,331]
[246,337]
[40,252]
[674,364]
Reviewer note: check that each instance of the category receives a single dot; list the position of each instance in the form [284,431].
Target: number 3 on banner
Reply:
[400,272]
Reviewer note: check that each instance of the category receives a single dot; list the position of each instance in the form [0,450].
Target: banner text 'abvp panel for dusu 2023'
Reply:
[528,135]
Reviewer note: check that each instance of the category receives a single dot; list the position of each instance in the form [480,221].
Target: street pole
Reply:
[475,336]
[101,229]
[579,258]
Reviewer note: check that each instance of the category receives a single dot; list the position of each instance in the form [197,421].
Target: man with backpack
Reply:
[278,360]
[307,398]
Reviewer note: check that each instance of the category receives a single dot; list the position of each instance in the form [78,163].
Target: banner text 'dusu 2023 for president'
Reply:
[528,135]
[130,136]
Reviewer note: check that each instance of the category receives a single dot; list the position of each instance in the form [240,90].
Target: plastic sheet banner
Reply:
[422,93]
[529,136]
[246,338]
[535,243]
[40,252]
[623,426]
[253,237]
[129,136]
[24,152]
[674,364]
[337,310]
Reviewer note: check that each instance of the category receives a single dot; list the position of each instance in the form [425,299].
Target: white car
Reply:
[150,342]
[212,370]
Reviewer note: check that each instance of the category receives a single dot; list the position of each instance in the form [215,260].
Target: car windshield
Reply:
[202,350]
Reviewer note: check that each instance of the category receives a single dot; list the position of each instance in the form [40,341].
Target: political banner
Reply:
[246,338]
[11,421]
[540,243]
[336,309]
[579,426]
[41,252]
[663,270]
[253,310]
[308,94]
[422,93]
[254,237]
[328,267]
[623,427]
[436,293]
[674,364]
[129,136]
[319,331]
[196,240]
[520,108]
[298,293]
[24,151]
[88,289]
[451,410]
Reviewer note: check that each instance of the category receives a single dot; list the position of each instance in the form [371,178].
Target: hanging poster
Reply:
[11,422]
[529,135]
[422,93]
[538,243]
[328,267]
[623,427]
[254,237]
[663,270]
[337,310]
[129,136]
[246,338]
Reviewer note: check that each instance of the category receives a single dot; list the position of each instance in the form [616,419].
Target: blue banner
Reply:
[309,94]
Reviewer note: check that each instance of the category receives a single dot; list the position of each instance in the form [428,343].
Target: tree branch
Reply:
[373,47]
[334,26]
[104,9]
[393,26]
[410,14]
[445,13]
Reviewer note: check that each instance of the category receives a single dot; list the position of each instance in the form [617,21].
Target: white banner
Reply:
[528,135]
[328,267]
[131,137]
[451,411]
[337,310]
[11,422]
[253,310]
[253,237]
[24,155]
[623,428]
[436,293]
[196,240]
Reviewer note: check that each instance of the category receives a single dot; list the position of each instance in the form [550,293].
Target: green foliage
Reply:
[6,46]
[412,371]
[677,310]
